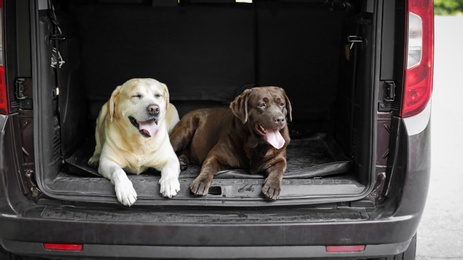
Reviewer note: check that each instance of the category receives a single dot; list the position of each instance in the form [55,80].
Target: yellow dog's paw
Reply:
[169,186]
[94,160]
[125,193]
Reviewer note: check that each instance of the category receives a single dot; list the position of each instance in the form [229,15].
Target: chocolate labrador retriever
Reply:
[252,134]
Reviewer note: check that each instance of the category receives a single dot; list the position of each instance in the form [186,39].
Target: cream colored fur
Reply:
[120,145]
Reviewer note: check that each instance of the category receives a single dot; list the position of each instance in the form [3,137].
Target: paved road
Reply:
[440,235]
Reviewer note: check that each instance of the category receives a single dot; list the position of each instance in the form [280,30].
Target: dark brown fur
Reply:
[227,138]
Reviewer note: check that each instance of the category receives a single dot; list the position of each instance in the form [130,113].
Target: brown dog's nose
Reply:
[279,119]
[153,110]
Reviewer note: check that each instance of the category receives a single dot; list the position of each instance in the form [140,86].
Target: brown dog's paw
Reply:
[200,186]
[184,162]
[272,189]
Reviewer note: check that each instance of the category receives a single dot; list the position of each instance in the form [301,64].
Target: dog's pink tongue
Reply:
[148,127]
[275,139]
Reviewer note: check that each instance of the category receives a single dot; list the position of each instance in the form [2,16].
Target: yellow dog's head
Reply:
[141,103]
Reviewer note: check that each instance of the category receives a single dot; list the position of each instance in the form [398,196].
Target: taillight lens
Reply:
[420,60]
[63,247]
[345,249]
[4,105]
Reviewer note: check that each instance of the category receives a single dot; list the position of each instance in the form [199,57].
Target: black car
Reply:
[359,76]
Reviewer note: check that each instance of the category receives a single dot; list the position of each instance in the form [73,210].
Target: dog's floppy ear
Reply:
[112,102]
[239,106]
[288,107]
[165,94]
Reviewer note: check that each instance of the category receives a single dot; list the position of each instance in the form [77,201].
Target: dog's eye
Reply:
[157,95]
[139,96]
[282,104]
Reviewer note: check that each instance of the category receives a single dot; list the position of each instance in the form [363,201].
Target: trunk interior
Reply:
[207,53]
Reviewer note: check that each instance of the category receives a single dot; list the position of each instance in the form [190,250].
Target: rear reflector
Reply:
[63,247]
[345,249]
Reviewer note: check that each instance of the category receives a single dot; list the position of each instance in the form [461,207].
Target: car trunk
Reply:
[208,52]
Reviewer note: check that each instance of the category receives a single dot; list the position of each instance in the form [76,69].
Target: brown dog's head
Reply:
[266,110]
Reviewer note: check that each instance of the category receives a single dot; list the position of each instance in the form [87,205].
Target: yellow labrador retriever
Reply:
[132,134]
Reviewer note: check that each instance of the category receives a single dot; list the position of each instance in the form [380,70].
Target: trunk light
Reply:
[345,249]
[420,44]
[63,247]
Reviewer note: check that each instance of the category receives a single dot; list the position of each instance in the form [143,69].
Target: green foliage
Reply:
[448,7]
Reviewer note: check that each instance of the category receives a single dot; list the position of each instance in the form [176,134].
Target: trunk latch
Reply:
[23,92]
[389,87]
[388,96]
[22,89]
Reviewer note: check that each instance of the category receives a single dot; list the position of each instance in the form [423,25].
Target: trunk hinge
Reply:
[33,189]
[26,129]
[376,195]
[389,95]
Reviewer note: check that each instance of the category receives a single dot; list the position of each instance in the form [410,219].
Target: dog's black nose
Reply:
[153,110]
[279,119]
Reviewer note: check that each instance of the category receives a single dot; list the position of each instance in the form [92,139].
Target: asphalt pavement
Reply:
[440,234]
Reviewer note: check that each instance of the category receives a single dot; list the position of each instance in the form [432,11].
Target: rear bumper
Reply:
[173,236]
[205,252]
[200,232]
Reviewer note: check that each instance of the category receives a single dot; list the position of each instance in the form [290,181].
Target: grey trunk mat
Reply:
[315,156]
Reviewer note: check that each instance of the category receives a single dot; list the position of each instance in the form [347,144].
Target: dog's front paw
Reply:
[200,185]
[94,160]
[169,186]
[272,188]
[184,162]
[125,193]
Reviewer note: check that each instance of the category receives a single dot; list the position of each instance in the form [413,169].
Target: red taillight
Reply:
[420,57]
[345,249]
[4,105]
[63,247]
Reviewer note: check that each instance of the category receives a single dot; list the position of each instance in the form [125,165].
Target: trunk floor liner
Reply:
[309,159]
[315,156]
